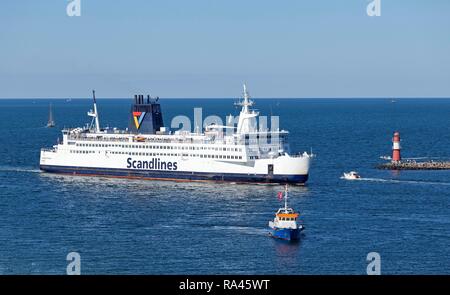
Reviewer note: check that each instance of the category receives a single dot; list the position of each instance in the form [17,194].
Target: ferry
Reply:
[149,150]
[284,226]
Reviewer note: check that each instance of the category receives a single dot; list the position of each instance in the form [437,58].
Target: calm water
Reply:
[144,227]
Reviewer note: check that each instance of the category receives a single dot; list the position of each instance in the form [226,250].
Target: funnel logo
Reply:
[138,117]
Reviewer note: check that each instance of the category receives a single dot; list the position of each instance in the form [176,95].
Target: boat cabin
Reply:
[285,218]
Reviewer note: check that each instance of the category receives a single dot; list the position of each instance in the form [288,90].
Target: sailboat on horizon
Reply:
[51,121]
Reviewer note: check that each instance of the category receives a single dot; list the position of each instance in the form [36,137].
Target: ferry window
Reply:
[240,157]
[228,157]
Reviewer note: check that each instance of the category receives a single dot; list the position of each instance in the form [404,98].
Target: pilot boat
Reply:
[284,226]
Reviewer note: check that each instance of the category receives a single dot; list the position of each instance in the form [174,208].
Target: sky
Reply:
[208,48]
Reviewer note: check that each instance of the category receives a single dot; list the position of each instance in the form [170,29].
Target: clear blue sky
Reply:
[207,48]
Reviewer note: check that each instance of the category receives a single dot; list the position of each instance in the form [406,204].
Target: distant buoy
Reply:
[396,158]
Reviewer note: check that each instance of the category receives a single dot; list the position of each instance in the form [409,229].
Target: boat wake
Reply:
[243,229]
[19,169]
[404,181]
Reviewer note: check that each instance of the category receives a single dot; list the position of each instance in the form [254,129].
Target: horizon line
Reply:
[339,97]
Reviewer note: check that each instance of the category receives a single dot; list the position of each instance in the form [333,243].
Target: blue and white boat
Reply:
[284,226]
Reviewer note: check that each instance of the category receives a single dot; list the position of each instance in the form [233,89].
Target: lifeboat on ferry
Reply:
[139,138]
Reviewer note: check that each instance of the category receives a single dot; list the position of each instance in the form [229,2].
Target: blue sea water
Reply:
[122,226]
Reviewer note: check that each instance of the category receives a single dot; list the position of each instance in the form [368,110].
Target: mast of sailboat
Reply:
[50,115]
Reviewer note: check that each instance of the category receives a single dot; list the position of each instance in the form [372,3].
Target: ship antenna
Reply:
[97,123]
[285,196]
[94,114]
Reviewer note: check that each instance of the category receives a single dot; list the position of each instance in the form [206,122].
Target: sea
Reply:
[123,226]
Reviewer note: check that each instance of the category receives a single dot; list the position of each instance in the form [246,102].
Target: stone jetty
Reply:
[413,165]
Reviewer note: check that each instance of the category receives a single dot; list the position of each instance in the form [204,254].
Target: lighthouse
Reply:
[396,158]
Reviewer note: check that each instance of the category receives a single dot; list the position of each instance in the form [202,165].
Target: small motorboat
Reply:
[284,226]
[352,175]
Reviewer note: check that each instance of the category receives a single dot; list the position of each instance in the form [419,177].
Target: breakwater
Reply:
[413,165]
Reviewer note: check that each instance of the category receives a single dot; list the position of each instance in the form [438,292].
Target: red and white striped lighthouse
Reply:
[396,148]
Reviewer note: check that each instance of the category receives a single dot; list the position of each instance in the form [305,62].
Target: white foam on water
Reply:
[243,229]
[404,181]
[19,169]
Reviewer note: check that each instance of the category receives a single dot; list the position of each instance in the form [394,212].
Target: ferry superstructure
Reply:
[148,150]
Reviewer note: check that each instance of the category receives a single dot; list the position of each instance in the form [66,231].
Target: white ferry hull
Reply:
[286,169]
